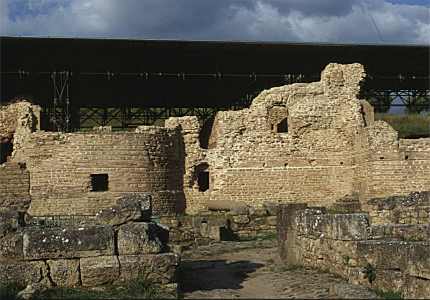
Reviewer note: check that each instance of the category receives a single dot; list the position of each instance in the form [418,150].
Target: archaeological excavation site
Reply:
[300,193]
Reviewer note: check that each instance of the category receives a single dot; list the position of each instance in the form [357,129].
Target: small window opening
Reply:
[203,181]
[406,157]
[99,182]
[6,149]
[282,127]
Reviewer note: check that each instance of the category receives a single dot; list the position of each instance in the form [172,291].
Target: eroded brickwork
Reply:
[313,143]
[61,166]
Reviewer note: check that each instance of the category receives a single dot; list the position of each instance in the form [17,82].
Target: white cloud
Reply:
[282,20]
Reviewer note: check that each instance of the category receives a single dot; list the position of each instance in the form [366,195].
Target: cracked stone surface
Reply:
[252,270]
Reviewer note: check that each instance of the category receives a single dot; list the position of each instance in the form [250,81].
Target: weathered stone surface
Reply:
[11,246]
[333,226]
[31,290]
[139,238]
[69,242]
[100,270]
[272,220]
[130,207]
[418,260]
[9,221]
[409,232]
[383,254]
[159,268]
[23,271]
[64,272]
[271,207]
[241,219]
[417,288]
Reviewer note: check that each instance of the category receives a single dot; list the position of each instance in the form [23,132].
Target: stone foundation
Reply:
[390,257]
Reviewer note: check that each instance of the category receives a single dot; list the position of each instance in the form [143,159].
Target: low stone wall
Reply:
[122,245]
[409,209]
[241,223]
[391,257]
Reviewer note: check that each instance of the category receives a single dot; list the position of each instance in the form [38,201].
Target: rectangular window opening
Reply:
[99,182]
[203,181]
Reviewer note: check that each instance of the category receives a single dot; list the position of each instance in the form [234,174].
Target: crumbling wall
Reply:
[61,166]
[392,257]
[18,114]
[314,143]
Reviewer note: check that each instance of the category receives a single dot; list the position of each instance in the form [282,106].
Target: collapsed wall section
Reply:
[81,173]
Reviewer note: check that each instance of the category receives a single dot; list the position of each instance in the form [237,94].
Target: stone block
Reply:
[158,268]
[139,238]
[130,207]
[272,220]
[271,207]
[241,219]
[416,288]
[387,255]
[23,271]
[11,246]
[418,259]
[68,242]
[100,270]
[9,221]
[64,272]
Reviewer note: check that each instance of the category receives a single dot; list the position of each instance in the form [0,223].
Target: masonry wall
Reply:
[390,257]
[14,186]
[61,165]
[312,143]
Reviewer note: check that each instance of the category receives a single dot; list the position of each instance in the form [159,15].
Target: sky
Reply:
[330,21]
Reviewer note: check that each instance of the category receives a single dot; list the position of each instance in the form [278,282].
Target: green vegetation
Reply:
[139,288]
[388,294]
[9,290]
[408,126]
[370,273]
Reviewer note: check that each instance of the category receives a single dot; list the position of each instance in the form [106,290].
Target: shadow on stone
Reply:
[206,275]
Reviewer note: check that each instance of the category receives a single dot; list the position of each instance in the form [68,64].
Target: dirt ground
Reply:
[233,270]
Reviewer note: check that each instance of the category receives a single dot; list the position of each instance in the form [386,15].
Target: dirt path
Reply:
[233,270]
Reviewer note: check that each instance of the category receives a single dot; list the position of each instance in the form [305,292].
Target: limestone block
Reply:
[9,221]
[383,254]
[22,271]
[64,272]
[258,212]
[99,270]
[159,268]
[272,220]
[416,288]
[418,260]
[138,238]
[241,219]
[271,207]
[11,246]
[130,207]
[68,242]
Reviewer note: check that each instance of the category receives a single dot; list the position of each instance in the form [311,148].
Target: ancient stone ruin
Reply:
[314,144]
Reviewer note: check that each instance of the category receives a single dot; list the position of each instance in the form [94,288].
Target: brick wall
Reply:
[14,186]
[60,166]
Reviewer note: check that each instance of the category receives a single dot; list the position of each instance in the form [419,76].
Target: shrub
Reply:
[9,290]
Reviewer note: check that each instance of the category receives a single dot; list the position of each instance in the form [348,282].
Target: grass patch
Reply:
[388,294]
[9,290]
[408,126]
[139,288]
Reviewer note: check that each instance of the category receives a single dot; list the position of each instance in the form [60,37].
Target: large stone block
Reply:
[383,254]
[99,270]
[68,242]
[11,246]
[139,238]
[418,260]
[64,272]
[417,288]
[130,207]
[158,268]
[9,221]
[23,271]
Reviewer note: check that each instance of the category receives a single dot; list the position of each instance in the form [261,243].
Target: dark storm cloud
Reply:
[281,20]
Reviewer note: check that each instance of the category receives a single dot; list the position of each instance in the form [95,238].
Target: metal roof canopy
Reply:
[167,73]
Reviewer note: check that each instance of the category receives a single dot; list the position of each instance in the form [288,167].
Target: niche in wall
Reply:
[99,182]
[282,127]
[6,149]
[201,175]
